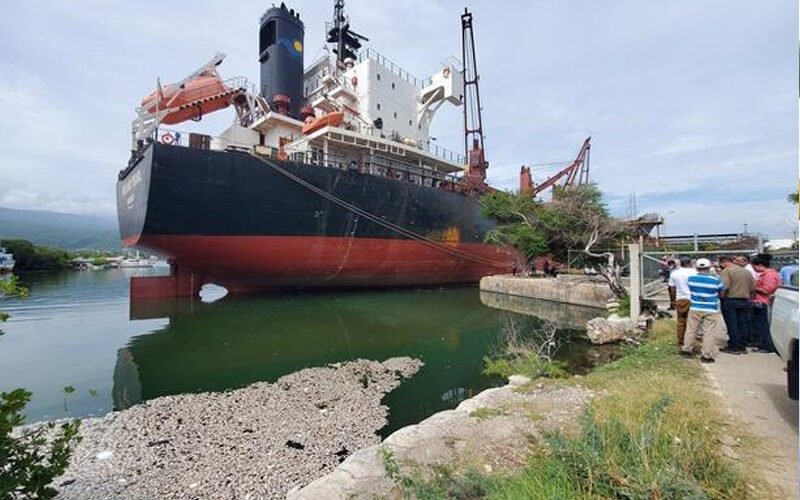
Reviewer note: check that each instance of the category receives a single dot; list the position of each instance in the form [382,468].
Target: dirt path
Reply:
[754,388]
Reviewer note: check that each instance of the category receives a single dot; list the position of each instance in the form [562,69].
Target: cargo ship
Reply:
[326,179]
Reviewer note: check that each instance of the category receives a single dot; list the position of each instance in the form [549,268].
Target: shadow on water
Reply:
[237,341]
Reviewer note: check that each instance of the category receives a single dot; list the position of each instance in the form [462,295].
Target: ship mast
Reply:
[347,41]
[473,124]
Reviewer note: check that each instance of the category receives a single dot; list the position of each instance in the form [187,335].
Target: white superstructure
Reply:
[386,111]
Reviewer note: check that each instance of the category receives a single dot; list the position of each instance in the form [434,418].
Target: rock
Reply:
[105,455]
[611,329]
[517,380]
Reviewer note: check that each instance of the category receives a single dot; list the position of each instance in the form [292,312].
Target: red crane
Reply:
[473,124]
[579,168]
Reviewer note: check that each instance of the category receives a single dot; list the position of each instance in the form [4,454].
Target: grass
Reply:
[485,412]
[654,433]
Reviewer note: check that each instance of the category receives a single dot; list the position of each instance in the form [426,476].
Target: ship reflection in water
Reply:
[236,341]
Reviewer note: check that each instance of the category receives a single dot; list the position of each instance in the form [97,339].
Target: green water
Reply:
[79,329]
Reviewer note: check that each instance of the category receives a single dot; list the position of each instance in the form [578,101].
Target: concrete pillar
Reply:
[696,246]
[636,279]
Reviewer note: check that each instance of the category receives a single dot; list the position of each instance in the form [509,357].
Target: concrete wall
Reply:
[562,314]
[579,290]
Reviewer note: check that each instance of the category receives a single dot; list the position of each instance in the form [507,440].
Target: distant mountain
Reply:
[56,229]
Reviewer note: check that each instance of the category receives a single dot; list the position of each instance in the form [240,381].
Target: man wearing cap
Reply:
[739,286]
[679,296]
[705,322]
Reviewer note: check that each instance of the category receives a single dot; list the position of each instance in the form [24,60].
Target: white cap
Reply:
[702,264]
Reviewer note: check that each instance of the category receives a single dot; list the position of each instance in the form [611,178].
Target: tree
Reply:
[33,457]
[576,217]
[793,197]
[10,287]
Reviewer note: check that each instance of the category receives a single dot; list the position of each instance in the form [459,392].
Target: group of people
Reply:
[731,301]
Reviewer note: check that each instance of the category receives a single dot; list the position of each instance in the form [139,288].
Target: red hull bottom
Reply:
[251,264]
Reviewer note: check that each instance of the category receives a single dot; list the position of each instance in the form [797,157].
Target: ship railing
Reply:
[373,54]
[378,165]
[370,163]
[443,153]
[241,82]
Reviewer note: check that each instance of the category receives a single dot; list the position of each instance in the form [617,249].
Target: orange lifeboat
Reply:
[198,96]
[313,124]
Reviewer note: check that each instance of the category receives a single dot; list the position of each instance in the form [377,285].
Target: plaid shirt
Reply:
[766,284]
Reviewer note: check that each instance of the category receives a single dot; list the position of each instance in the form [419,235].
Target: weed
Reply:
[485,412]
[30,460]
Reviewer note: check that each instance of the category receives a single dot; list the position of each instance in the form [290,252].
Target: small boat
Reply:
[313,124]
[6,261]
[191,100]
[136,263]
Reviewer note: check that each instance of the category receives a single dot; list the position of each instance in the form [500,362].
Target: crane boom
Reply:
[578,168]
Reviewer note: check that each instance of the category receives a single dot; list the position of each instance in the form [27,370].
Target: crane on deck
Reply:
[577,170]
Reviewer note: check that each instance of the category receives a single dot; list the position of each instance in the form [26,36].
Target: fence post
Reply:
[636,280]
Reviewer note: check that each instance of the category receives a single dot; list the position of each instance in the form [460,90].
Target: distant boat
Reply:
[136,263]
[6,261]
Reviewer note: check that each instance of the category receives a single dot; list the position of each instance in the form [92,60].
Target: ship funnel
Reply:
[280,52]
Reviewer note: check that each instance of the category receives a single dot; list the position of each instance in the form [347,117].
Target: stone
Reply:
[518,380]
[606,330]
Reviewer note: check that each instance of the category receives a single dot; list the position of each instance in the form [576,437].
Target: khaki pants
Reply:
[707,328]
[681,313]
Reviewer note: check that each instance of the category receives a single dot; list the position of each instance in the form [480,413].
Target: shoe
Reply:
[686,354]
[706,359]
[733,350]
[763,351]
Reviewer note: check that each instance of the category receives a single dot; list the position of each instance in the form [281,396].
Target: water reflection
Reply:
[236,341]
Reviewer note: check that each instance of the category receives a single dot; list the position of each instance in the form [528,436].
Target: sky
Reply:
[692,106]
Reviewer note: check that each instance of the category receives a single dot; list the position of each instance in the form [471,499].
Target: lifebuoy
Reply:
[446,72]
[354,81]
[167,138]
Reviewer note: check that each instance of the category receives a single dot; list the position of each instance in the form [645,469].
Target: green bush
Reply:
[529,364]
[29,257]
[31,460]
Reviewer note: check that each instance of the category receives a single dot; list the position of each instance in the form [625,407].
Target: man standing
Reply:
[787,272]
[744,261]
[739,286]
[767,283]
[705,322]
[679,296]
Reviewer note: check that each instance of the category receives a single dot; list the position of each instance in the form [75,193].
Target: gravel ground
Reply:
[257,442]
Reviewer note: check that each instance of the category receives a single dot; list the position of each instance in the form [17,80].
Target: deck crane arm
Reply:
[580,165]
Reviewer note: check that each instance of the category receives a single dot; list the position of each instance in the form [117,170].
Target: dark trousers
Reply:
[737,319]
[761,327]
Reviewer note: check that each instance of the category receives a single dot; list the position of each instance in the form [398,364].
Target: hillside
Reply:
[55,229]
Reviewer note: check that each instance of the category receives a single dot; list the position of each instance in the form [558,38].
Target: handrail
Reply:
[373,54]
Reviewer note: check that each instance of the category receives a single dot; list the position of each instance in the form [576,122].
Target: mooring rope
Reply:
[378,220]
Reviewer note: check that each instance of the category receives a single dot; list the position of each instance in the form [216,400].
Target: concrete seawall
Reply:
[562,314]
[579,290]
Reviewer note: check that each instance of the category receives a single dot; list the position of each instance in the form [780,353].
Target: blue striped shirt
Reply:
[705,289]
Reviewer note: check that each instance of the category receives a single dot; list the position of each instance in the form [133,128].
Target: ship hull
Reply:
[232,219]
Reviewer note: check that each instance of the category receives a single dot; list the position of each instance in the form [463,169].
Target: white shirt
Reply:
[679,279]
[752,271]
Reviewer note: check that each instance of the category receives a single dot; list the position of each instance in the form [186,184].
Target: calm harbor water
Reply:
[78,329]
